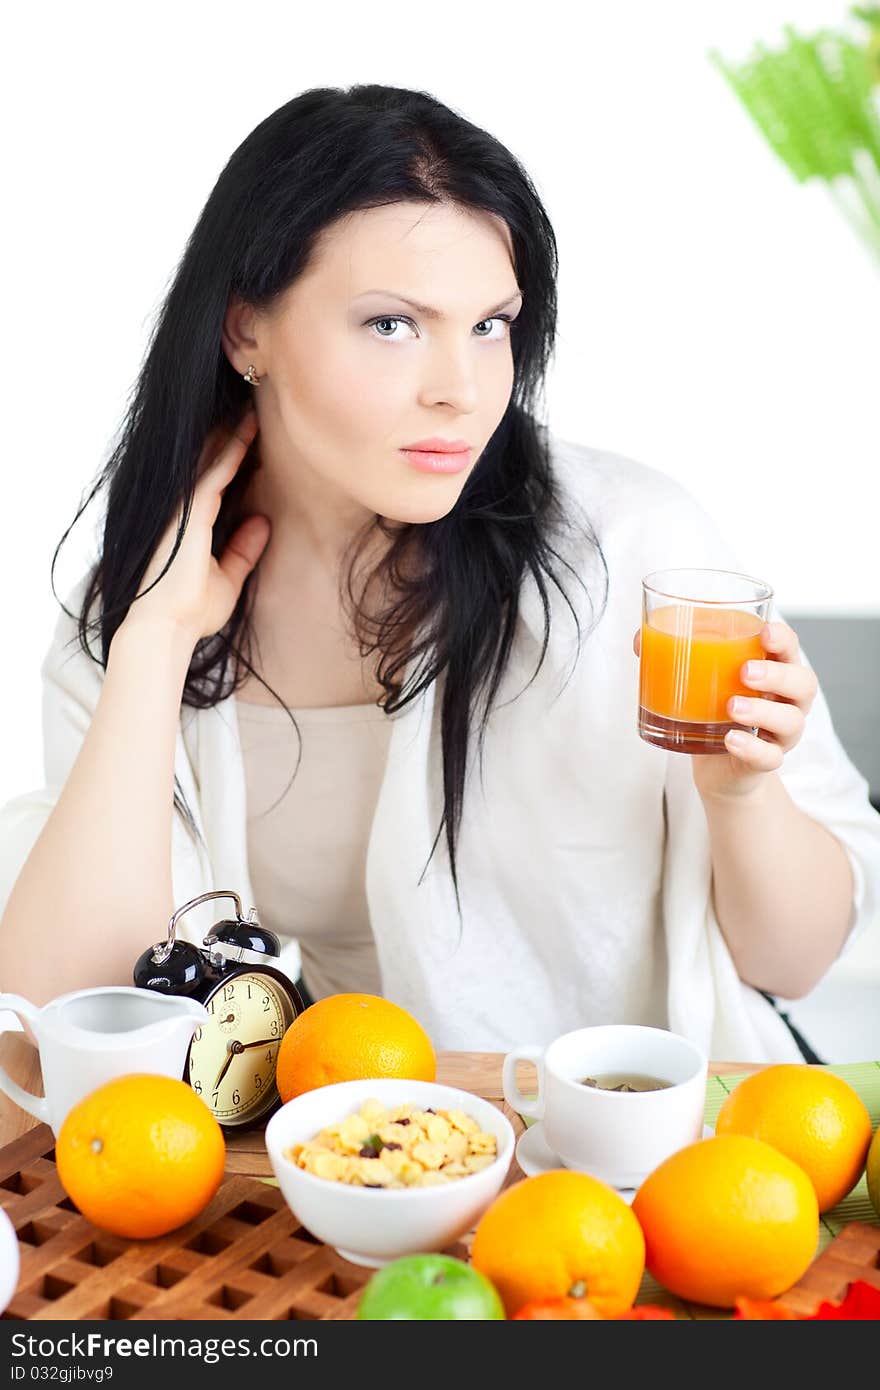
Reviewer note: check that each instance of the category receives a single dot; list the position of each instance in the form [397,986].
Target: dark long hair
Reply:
[327,153]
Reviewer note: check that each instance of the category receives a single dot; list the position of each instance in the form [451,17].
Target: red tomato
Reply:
[558,1308]
[648,1312]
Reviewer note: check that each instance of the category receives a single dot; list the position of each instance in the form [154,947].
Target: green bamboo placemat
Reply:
[864,1077]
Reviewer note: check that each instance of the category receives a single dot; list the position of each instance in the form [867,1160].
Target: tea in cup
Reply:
[614,1100]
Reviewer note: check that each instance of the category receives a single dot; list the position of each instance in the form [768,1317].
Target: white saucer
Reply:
[534,1155]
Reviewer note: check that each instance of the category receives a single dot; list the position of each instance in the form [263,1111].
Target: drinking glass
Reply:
[699,626]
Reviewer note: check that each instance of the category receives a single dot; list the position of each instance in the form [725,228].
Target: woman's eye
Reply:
[505,330]
[389,322]
[382,324]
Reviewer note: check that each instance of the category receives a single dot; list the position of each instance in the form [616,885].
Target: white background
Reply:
[718,321]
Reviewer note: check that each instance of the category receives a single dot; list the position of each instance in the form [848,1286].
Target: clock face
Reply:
[232,1056]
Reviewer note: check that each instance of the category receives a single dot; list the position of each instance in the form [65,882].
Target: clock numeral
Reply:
[249,991]
[228,992]
[268,1056]
[215,1097]
[210,1006]
[236,1098]
[197,1087]
[258,1081]
[197,1035]
[265,1003]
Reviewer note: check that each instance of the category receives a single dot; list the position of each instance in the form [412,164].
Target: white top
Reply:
[584,856]
[307,838]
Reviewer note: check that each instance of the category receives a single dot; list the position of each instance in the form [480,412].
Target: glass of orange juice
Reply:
[699,626]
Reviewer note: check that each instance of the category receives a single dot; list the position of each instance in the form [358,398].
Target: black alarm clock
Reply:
[232,1057]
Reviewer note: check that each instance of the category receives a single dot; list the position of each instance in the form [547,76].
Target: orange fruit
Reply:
[561,1234]
[725,1217]
[812,1116]
[345,1037]
[141,1155]
[872,1171]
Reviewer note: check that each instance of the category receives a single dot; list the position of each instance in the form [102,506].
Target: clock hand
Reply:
[233,1049]
[260,1042]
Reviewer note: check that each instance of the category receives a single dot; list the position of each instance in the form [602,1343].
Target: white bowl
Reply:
[10,1261]
[372,1225]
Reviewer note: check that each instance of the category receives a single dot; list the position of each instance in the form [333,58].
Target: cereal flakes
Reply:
[397,1147]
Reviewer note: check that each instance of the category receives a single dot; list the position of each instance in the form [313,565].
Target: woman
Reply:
[375,273]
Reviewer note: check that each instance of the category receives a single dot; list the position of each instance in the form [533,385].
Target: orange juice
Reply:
[690,666]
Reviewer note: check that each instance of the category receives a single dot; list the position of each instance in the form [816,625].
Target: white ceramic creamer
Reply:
[90,1036]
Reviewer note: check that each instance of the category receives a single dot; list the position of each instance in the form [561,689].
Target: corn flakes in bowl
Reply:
[333,1151]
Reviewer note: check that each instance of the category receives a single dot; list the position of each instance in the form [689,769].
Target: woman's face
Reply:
[352,373]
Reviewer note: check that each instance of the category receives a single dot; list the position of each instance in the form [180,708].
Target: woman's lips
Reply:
[427,462]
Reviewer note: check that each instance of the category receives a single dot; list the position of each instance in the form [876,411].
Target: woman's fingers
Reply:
[784,674]
[784,721]
[244,549]
[755,754]
[788,679]
[225,450]
[220,473]
[197,592]
[781,640]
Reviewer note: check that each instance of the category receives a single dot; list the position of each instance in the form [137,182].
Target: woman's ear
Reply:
[239,336]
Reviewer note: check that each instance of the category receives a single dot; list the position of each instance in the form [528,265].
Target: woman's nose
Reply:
[451,380]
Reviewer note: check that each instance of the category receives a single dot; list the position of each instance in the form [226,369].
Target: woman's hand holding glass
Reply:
[784,692]
[198,592]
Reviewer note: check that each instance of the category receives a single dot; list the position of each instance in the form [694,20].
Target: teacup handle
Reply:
[38,1106]
[523,1105]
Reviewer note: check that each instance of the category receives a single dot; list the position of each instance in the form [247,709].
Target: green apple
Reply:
[430,1287]
[872,1171]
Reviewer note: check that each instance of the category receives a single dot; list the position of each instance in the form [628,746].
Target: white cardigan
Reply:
[583,857]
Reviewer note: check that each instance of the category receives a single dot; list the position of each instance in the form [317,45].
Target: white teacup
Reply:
[618,1136]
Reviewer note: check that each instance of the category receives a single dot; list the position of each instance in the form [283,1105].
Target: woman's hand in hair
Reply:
[198,592]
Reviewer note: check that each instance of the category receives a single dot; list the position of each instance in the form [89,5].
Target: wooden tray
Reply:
[245,1256]
[853,1254]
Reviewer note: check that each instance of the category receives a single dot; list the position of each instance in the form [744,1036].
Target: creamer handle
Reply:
[37,1106]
